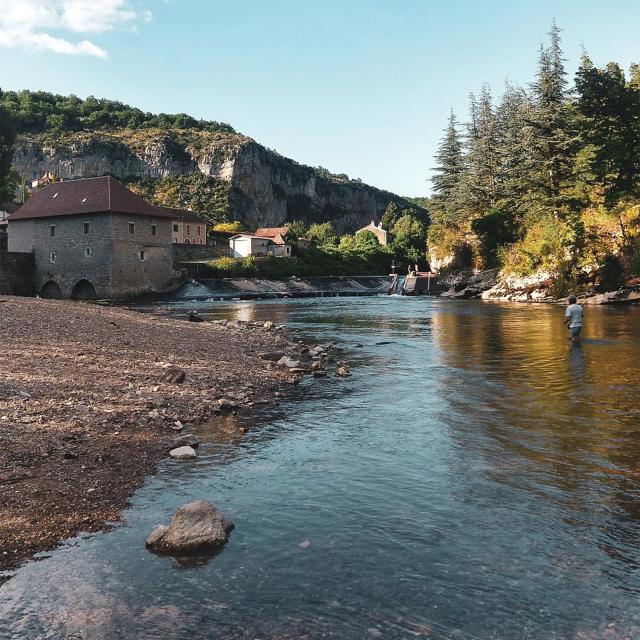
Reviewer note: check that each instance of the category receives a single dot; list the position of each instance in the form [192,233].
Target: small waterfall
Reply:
[397,285]
[193,291]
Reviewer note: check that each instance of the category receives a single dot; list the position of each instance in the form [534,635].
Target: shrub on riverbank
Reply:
[307,263]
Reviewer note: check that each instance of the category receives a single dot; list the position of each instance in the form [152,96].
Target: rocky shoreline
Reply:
[491,284]
[93,397]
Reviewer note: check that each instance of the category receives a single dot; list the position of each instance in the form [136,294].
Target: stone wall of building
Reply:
[16,271]
[67,252]
[134,272]
[71,251]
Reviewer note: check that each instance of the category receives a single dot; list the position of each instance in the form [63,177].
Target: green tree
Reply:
[513,150]
[448,170]
[390,215]
[7,142]
[366,243]
[410,240]
[553,140]
[610,122]
[479,185]
[323,235]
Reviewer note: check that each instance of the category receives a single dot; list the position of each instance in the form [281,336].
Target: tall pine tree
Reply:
[480,182]
[610,123]
[513,149]
[448,171]
[553,140]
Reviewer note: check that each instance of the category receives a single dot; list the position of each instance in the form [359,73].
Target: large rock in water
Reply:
[197,526]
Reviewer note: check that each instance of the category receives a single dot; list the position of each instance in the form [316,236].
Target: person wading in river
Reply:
[573,317]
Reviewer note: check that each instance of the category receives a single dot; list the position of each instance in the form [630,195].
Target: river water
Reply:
[475,477]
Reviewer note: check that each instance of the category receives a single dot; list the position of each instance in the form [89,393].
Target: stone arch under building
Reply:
[51,290]
[84,290]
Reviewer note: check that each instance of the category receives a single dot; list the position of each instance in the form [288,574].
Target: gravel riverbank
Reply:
[86,410]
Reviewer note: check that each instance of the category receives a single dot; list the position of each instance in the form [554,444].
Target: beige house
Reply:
[187,227]
[277,235]
[377,231]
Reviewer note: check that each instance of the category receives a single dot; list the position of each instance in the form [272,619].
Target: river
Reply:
[475,477]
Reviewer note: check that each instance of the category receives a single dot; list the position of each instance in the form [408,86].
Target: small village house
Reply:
[278,236]
[187,227]
[93,238]
[377,231]
[243,245]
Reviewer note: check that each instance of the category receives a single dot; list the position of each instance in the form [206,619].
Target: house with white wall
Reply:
[244,245]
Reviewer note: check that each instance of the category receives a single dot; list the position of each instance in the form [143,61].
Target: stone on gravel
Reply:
[268,325]
[174,375]
[274,356]
[196,526]
[183,453]
[288,362]
[227,405]
[194,317]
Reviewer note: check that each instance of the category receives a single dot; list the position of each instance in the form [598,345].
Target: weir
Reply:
[416,283]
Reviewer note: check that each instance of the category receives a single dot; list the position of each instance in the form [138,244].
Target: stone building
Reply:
[187,227]
[377,231]
[93,238]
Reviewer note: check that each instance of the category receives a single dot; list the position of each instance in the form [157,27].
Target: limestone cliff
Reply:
[226,174]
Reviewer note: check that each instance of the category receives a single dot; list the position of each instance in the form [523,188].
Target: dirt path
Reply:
[85,414]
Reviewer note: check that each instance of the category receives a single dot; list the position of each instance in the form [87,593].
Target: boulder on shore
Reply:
[174,375]
[183,453]
[288,362]
[274,356]
[196,526]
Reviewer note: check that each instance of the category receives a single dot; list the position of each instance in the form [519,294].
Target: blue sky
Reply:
[360,87]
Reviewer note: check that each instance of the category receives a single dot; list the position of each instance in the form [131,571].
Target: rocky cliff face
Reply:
[266,189]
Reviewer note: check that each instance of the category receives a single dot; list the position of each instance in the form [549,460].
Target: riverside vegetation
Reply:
[333,255]
[547,181]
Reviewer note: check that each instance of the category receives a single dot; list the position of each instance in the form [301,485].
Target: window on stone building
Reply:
[175,228]
[142,255]
[88,251]
[52,256]
[198,229]
[85,228]
[154,229]
[132,228]
[188,229]
[52,230]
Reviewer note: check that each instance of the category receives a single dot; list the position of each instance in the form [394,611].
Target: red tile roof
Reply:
[85,196]
[272,232]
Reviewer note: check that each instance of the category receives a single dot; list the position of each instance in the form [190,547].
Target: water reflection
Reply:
[476,477]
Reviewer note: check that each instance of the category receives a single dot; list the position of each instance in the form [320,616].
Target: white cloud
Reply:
[28,24]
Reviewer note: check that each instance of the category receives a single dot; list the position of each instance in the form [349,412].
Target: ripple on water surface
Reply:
[476,477]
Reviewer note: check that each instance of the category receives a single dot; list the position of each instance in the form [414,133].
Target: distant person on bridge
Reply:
[573,318]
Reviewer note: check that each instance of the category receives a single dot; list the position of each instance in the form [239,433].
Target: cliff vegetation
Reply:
[179,161]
